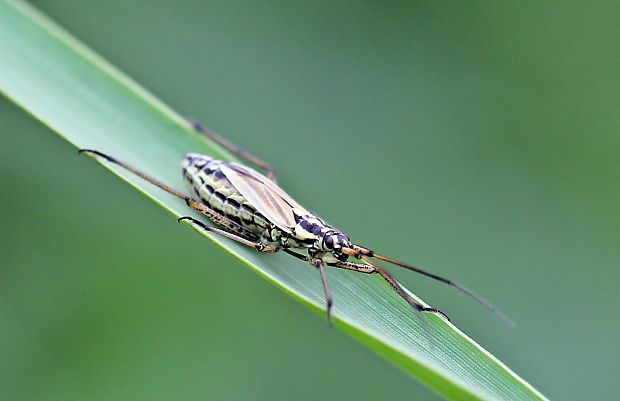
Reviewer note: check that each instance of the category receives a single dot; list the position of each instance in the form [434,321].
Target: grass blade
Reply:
[91,104]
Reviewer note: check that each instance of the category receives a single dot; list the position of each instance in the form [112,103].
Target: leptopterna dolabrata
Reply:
[250,208]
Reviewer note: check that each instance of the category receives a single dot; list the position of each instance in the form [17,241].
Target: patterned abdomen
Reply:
[209,185]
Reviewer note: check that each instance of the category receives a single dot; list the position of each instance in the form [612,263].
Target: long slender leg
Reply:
[356,267]
[135,171]
[356,251]
[370,269]
[295,254]
[318,263]
[232,147]
[417,307]
[256,245]
[387,276]
[191,202]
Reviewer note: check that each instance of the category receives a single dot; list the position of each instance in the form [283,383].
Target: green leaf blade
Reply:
[91,104]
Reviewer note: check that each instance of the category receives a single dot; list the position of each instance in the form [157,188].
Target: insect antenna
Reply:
[358,252]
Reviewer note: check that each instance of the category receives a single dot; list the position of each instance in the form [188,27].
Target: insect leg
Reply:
[295,254]
[387,276]
[318,263]
[357,251]
[357,267]
[136,172]
[256,245]
[371,269]
[191,202]
[247,156]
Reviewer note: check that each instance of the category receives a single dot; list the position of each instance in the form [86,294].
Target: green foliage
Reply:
[91,104]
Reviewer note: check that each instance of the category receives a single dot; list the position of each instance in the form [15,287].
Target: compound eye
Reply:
[329,242]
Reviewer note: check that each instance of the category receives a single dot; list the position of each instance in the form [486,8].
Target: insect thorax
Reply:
[320,237]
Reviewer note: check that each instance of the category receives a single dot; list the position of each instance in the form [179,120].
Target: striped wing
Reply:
[267,197]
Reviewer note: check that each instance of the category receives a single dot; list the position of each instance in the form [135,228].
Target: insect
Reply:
[250,208]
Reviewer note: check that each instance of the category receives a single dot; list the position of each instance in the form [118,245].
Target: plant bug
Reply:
[250,208]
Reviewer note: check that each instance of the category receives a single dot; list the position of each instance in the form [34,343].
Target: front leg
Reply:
[373,269]
[356,267]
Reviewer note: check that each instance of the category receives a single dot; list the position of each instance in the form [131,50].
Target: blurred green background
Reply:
[478,140]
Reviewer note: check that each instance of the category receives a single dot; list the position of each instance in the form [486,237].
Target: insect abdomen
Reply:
[209,185]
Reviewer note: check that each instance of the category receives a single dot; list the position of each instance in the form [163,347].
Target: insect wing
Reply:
[268,198]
